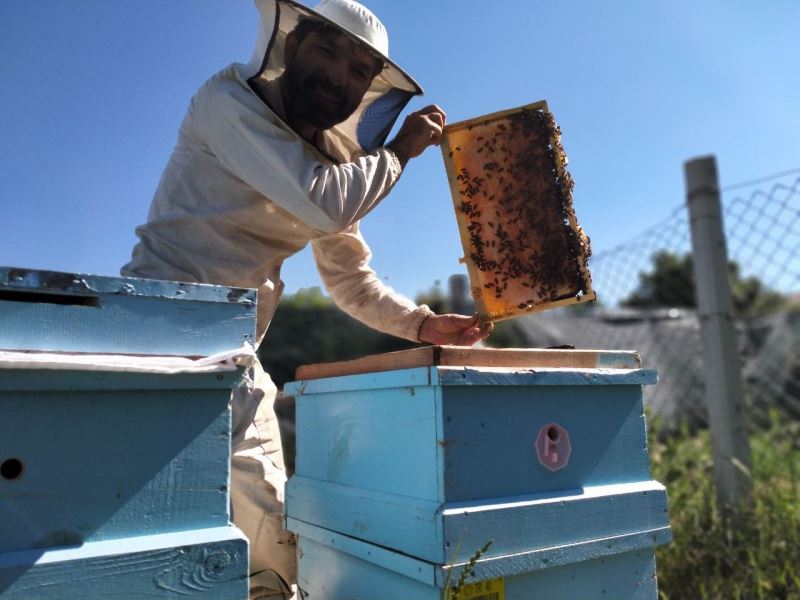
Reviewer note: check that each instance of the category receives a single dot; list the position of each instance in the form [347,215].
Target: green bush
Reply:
[709,558]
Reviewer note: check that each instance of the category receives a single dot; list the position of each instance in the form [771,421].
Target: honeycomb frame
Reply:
[505,170]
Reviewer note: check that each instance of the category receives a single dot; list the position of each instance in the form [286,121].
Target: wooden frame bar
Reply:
[487,305]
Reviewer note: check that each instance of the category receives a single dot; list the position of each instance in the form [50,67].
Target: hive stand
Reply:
[410,463]
[113,474]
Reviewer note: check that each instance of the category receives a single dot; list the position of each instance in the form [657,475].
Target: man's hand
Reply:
[420,130]
[453,330]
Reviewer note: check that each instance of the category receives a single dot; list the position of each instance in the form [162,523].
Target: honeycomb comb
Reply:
[524,249]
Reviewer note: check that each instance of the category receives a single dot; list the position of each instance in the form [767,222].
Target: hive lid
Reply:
[49,311]
[462,356]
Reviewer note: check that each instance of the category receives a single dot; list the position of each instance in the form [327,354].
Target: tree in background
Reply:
[671,284]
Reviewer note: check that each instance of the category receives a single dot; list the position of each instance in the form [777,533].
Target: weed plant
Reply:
[453,592]
[759,559]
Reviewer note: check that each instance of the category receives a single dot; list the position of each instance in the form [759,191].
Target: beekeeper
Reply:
[283,151]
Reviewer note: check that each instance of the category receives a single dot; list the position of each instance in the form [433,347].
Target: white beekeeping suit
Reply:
[242,192]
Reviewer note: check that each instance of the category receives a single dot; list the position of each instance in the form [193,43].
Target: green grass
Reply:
[708,558]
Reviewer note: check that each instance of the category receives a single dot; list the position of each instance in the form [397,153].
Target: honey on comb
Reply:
[513,198]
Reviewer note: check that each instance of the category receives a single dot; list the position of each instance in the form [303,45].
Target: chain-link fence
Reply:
[647,299]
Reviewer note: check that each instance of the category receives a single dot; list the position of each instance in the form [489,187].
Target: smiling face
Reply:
[327,74]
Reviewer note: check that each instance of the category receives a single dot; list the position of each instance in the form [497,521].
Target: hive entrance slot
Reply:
[11,468]
[49,298]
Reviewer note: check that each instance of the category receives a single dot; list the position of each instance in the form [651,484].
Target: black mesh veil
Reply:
[368,127]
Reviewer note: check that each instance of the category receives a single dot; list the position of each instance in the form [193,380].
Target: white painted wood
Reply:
[723,380]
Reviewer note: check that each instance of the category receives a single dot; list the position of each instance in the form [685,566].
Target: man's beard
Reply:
[303,102]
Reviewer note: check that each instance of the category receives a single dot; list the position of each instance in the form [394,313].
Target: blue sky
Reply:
[92,93]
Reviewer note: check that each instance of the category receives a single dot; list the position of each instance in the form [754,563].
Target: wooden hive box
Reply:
[114,458]
[408,463]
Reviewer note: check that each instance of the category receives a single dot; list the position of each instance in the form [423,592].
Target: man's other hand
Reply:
[420,130]
[453,330]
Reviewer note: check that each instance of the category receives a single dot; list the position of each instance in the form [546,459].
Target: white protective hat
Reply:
[368,127]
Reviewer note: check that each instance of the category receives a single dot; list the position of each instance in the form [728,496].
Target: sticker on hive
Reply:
[490,589]
[524,249]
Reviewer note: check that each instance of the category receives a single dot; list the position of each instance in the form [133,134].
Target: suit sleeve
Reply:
[343,263]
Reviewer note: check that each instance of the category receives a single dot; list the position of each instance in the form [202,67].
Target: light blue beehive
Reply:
[115,483]
[410,462]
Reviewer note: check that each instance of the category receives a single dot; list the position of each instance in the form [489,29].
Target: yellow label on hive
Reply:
[490,589]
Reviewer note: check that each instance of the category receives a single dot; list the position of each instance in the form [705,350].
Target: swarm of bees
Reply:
[523,247]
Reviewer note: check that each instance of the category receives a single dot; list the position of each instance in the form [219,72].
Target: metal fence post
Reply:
[722,372]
